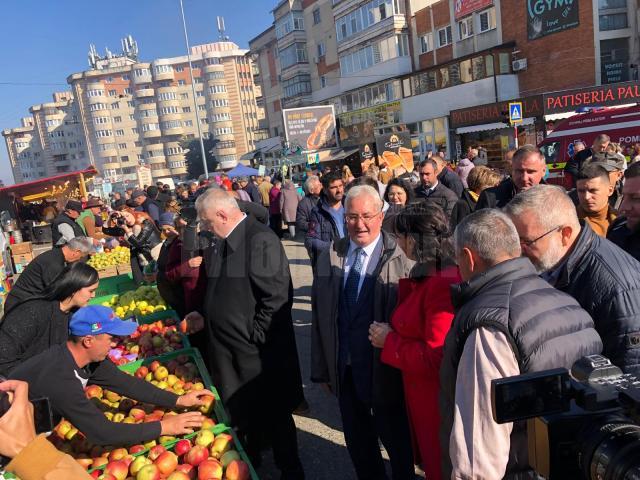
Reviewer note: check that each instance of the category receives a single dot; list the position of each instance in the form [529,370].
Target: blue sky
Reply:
[43,41]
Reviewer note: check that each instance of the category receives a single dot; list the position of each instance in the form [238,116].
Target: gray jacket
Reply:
[325,296]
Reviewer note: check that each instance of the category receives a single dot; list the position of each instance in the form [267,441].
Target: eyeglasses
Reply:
[529,243]
[367,219]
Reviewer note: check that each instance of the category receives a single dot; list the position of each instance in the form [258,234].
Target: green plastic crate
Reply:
[161,316]
[218,409]
[217,430]
[115,285]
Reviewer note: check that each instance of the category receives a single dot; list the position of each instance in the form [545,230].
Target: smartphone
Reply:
[42,415]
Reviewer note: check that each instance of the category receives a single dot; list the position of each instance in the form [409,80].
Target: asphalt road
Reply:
[320,439]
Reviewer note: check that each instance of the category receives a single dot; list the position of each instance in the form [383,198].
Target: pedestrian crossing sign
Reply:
[515,112]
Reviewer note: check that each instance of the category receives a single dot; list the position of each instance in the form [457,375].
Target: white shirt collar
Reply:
[244,215]
[368,250]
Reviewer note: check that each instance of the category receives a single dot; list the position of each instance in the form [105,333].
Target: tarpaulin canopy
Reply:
[242,171]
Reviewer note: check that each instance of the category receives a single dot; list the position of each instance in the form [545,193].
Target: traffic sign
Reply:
[515,112]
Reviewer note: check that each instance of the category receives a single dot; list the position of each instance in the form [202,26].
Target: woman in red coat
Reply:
[414,340]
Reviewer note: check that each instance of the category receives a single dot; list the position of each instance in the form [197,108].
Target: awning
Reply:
[492,126]
[341,154]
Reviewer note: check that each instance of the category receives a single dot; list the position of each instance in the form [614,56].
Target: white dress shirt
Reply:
[351,258]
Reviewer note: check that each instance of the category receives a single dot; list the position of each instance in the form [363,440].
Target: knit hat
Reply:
[166,218]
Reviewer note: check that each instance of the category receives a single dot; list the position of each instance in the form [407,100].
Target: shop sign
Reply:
[368,155]
[357,127]
[545,17]
[310,128]
[495,112]
[615,72]
[394,150]
[602,96]
[462,8]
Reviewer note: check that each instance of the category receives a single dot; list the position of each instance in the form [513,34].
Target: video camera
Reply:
[580,426]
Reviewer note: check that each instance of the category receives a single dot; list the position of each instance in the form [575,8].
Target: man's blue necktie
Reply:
[353,279]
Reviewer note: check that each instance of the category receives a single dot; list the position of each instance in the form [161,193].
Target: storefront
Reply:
[486,127]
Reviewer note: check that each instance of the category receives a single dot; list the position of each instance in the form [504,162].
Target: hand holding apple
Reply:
[181,424]
[195,398]
[193,322]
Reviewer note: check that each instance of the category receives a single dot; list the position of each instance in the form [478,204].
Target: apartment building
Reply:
[391,64]
[49,142]
[124,114]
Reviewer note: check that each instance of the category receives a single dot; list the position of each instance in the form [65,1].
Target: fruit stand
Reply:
[159,353]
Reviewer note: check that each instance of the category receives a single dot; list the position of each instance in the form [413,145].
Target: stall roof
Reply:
[342,153]
[36,186]
[491,126]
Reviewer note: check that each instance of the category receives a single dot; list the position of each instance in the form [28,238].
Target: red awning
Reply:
[28,187]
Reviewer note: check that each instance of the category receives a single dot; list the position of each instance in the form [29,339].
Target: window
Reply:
[101,120]
[131,104]
[182,82]
[614,21]
[316,16]
[103,133]
[610,4]
[444,36]
[119,133]
[217,89]
[200,94]
[465,28]
[171,124]
[148,113]
[186,109]
[188,123]
[159,69]
[137,144]
[202,108]
[184,96]
[487,20]
[167,96]
[321,49]
[96,106]
[221,117]
[115,105]
[223,131]
[147,127]
[169,110]
[112,93]
[386,49]
[127,91]
[117,119]
[122,146]
[426,43]
[614,60]
[295,53]
[141,72]
[126,77]
[323,81]
[217,102]
[298,85]
[215,75]
[135,131]
[180,69]
[95,93]
[288,23]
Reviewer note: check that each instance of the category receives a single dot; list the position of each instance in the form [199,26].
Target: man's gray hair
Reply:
[311,179]
[364,191]
[82,244]
[527,151]
[488,233]
[550,204]
[214,198]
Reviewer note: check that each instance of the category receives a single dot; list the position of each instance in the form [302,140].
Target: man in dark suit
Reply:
[355,283]
[433,191]
[574,165]
[247,317]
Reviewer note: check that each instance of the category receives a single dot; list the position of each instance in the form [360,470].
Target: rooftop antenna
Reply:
[220,21]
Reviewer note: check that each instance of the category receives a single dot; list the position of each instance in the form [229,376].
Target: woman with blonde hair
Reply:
[347,176]
[479,178]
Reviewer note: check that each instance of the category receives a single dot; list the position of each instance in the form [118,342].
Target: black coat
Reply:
[498,196]
[441,196]
[574,165]
[620,234]
[463,207]
[253,355]
[605,281]
[303,213]
[38,275]
[452,181]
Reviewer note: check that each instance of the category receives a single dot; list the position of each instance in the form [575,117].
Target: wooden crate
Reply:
[21,248]
[108,272]
[124,269]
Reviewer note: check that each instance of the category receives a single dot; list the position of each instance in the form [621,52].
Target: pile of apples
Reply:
[208,457]
[149,340]
[143,301]
[110,258]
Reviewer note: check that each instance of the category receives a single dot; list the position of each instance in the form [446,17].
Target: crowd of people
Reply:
[427,285]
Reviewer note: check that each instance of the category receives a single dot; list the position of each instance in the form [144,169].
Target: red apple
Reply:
[155,452]
[149,472]
[166,462]
[207,403]
[118,454]
[177,475]
[208,423]
[136,449]
[209,469]
[189,470]
[137,413]
[237,470]
[153,366]
[196,455]
[93,391]
[107,476]
[221,444]
[99,462]
[118,469]
[182,447]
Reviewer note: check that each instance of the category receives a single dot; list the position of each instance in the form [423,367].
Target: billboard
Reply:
[394,150]
[545,18]
[310,128]
[462,8]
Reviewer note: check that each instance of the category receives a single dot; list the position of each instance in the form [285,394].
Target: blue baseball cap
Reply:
[96,319]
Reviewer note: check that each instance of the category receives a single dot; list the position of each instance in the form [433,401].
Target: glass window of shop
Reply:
[429,136]
[463,71]
[369,96]
[614,60]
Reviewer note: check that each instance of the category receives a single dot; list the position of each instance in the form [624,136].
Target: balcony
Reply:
[164,172]
[164,117]
[179,171]
[140,79]
[393,23]
[166,74]
[152,133]
[157,159]
[173,131]
[145,92]
[153,147]
[111,151]
[214,68]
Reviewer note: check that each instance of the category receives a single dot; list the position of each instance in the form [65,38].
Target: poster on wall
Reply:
[310,128]
[394,150]
[462,8]
[545,18]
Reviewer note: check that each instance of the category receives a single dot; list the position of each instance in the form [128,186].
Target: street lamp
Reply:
[193,90]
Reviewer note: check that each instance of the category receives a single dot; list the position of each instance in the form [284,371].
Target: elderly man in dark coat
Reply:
[247,317]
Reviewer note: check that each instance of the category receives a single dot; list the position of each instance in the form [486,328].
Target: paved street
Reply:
[320,438]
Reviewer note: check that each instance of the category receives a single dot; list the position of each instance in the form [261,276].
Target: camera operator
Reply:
[508,321]
[61,373]
[33,456]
